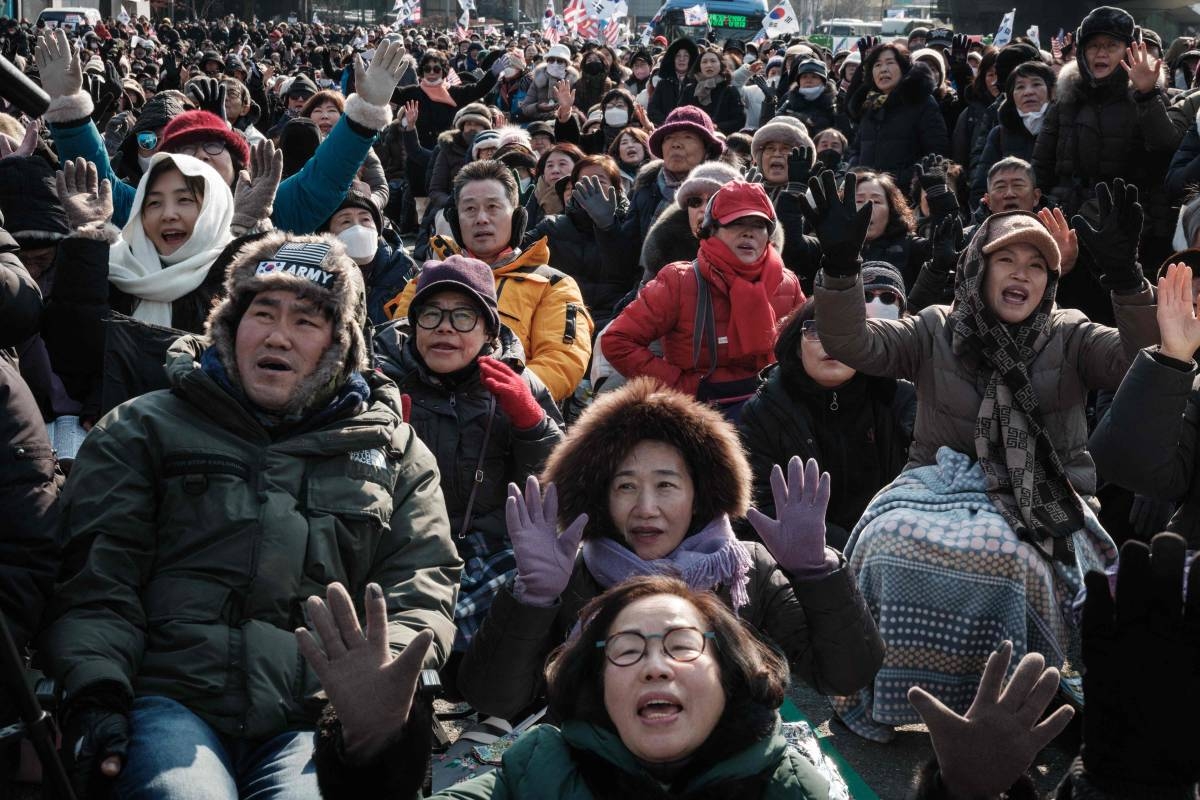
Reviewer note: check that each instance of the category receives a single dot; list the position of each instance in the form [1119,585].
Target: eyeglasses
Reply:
[462,320]
[147,140]
[680,644]
[885,296]
[696,201]
[431,69]
[808,329]
[213,148]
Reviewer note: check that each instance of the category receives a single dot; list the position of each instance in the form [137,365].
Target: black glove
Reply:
[1149,516]
[840,226]
[104,95]
[209,95]
[946,242]
[491,58]
[958,49]
[866,43]
[1114,247]
[800,165]
[930,173]
[95,726]
[1145,642]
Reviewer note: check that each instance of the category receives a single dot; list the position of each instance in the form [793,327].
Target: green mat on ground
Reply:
[858,787]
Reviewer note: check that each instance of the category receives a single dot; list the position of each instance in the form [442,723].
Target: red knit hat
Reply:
[204,126]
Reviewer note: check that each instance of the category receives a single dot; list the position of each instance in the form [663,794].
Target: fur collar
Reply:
[1073,88]
[647,175]
[670,239]
[451,142]
[914,87]
[540,78]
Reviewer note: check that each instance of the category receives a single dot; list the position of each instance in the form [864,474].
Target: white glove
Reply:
[58,64]
[376,83]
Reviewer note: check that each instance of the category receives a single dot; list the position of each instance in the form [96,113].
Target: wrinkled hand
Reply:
[545,559]
[947,241]
[601,206]
[984,752]
[841,226]
[371,690]
[1064,237]
[25,147]
[800,166]
[797,538]
[254,195]
[1179,330]
[1148,516]
[376,83]
[85,198]
[58,64]
[412,111]
[564,93]
[1129,733]
[1143,69]
[1114,246]
[209,95]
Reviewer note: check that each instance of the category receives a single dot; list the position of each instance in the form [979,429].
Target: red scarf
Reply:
[749,287]
[438,94]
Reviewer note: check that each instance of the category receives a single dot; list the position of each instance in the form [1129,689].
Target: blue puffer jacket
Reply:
[303,202]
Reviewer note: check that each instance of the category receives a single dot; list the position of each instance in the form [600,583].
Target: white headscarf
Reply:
[136,268]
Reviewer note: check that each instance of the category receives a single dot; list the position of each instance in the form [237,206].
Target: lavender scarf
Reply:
[709,558]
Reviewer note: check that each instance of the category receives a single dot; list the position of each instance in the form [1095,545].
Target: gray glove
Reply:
[376,83]
[500,65]
[601,206]
[58,64]
[254,196]
[85,198]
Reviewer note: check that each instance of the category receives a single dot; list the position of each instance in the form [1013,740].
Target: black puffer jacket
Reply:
[907,127]
[817,115]
[667,95]
[599,261]
[859,433]
[1009,138]
[724,106]
[670,239]
[644,202]
[451,418]
[906,252]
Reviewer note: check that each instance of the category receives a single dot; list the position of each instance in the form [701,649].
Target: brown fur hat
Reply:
[316,268]
[583,464]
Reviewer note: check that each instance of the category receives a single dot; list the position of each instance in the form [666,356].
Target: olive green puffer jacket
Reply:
[193,538]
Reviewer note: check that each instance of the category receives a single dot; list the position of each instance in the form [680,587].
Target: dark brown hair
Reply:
[194,183]
[603,162]
[321,98]
[751,672]
[568,149]
[901,218]
[640,134]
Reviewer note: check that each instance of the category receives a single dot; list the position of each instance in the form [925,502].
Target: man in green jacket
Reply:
[199,518]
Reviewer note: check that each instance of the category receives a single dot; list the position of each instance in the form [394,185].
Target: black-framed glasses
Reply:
[147,140]
[885,296]
[212,147]
[431,69]
[462,320]
[808,329]
[627,648]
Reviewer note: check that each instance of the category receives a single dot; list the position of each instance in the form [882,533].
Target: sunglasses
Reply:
[431,69]
[696,202]
[147,140]
[885,296]
[808,329]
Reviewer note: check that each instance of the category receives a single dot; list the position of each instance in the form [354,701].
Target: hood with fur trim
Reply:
[647,175]
[541,79]
[914,86]
[582,465]
[1073,88]
[316,268]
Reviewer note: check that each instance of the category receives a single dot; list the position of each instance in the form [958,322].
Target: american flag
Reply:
[575,13]
[550,23]
[452,78]
[463,27]
[612,32]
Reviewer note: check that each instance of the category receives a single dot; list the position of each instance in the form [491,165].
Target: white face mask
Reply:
[877,309]
[433,81]
[1033,120]
[361,243]
[811,92]
[144,163]
[1181,81]
[773,80]
[616,117]
[558,71]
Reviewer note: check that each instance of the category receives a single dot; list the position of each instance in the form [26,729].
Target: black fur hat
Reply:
[1114,22]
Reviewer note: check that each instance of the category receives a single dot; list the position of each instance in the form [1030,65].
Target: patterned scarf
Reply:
[709,558]
[874,101]
[1026,479]
[704,87]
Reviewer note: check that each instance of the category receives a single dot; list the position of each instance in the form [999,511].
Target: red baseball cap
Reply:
[740,199]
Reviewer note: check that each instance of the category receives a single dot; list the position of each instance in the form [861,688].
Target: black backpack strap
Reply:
[706,324]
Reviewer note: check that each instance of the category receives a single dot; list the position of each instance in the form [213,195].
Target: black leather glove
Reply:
[1114,246]
[946,242]
[104,95]
[1149,516]
[930,173]
[840,226]
[95,726]
[958,49]
[1134,648]
[866,43]
[209,95]
[800,165]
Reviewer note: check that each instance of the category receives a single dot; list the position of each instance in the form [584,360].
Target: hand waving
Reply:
[601,206]
[983,753]
[564,93]
[376,83]
[545,559]
[840,225]
[1177,323]
[800,165]
[371,690]
[254,195]
[85,198]
[1064,237]
[58,64]
[412,111]
[209,95]
[1114,246]
[1143,69]
[947,241]
[797,538]
[25,147]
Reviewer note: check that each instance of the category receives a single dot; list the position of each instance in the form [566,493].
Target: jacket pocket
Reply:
[347,518]
[188,635]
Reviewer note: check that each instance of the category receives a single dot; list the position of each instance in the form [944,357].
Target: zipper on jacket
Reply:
[833,404]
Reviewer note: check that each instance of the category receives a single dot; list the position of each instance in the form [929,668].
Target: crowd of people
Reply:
[632,383]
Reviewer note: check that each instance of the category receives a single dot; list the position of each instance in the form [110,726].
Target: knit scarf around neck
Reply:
[752,320]
[438,94]
[709,558]
[704,87]
[1026,479]
[547,197]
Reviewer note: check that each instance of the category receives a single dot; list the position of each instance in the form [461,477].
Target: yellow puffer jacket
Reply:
[543,306]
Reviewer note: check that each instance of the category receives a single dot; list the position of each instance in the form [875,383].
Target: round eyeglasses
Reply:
[213,148]
[627,648]
[462,320]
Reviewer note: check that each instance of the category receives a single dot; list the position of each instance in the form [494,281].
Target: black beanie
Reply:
[1010,56]
[298,140]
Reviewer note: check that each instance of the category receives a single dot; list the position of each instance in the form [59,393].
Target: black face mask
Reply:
[594,67]
[830,158]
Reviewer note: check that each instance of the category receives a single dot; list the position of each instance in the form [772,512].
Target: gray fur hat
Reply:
[788,130]
[316,268]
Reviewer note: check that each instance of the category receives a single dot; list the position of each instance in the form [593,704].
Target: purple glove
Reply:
[797,538]
[545,560]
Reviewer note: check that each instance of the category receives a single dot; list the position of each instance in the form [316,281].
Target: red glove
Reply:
[406,407]
[511,393]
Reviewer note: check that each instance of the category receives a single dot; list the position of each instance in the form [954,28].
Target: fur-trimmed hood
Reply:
[451,141]
[669,240]
[541,80]
[914,86]
[582,465]
[647,175]
[1073,88]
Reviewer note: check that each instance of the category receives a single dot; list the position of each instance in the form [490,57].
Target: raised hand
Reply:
[1114,246]
[800,165]
[1129,734]
[376,83]
[1177,323]
[840,225]
[254,195]
[959,47]
[797,538]
[1143,69]
[412,110]
[25,147]
[85,198]
[58,64]
[545,559]
[947,241]
[601,206]
[931,174]
[866,43]
[209,95]
[564,93]
[984,752]
[1064,237]
[371,690]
